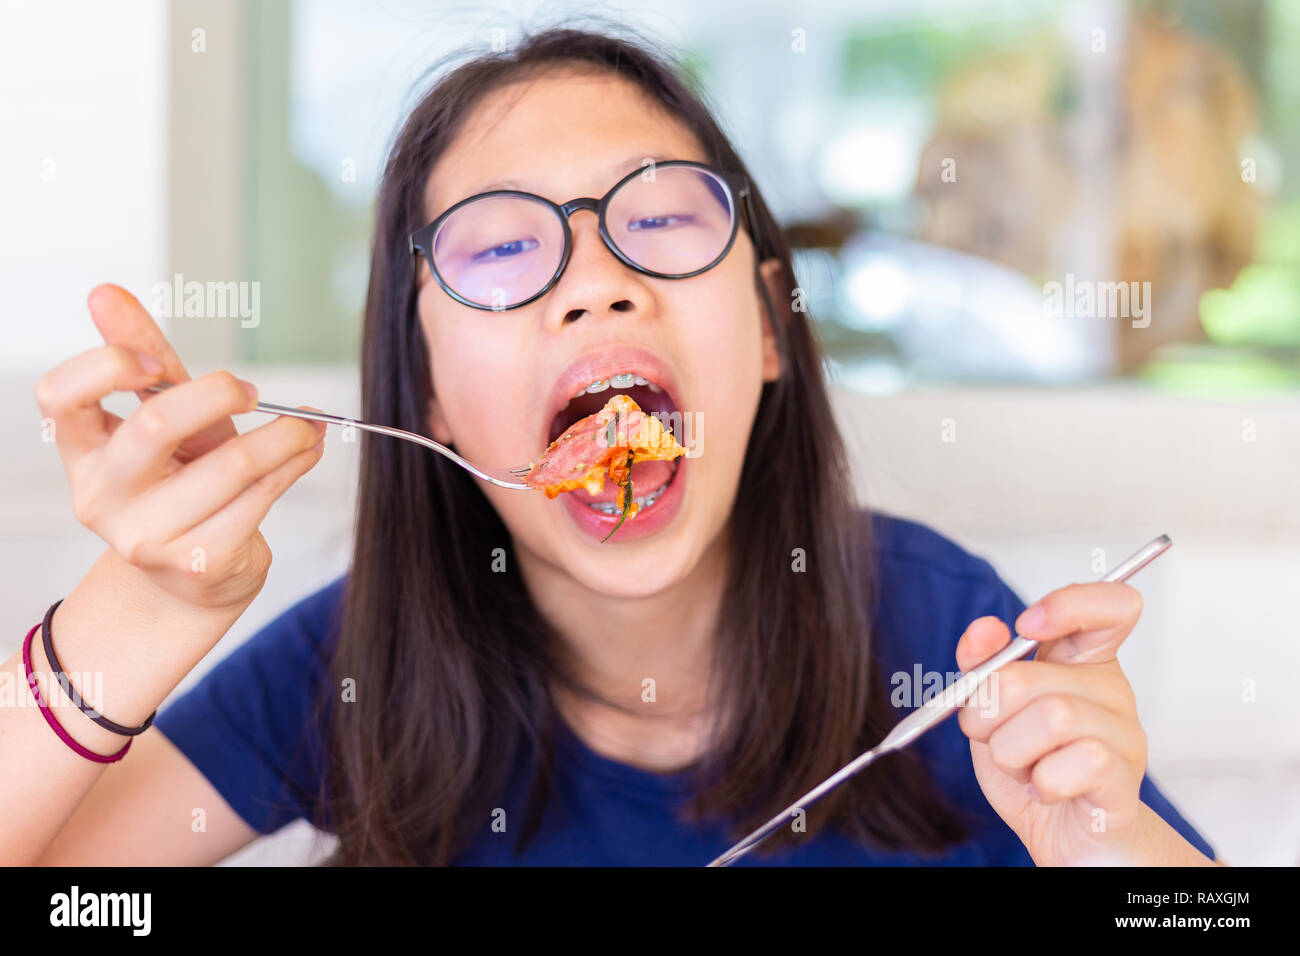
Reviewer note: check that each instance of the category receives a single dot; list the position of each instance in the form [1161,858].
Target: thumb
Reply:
[1082,623]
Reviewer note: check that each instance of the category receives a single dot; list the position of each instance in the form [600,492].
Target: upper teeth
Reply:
[621,380]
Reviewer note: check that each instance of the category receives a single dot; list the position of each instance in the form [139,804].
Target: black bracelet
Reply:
[47,638]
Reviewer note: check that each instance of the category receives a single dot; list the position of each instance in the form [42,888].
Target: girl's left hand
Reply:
[1056,742]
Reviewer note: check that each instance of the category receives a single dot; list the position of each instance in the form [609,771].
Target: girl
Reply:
[489,683]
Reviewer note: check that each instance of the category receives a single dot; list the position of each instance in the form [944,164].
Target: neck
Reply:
[667,638]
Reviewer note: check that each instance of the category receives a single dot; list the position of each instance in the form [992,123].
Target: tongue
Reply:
[646,477]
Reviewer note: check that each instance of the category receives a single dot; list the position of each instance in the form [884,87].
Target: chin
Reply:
[650,570]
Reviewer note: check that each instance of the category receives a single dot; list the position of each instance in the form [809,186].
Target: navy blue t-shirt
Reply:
[247,726]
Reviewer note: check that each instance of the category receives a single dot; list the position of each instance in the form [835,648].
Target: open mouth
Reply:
[649,478]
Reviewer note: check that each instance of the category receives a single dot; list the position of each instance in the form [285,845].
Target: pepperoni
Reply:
[597,447]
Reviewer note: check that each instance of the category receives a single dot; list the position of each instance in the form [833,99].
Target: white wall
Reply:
[83,179]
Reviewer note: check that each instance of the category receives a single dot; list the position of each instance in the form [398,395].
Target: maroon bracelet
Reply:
[49,717]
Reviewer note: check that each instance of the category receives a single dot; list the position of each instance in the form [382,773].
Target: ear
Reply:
[771,273]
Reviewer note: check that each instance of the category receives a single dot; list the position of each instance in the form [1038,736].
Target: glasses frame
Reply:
[421,241]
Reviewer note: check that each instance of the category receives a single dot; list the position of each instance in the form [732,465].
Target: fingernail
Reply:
[250,388]
[320,429]
[1034,793]
[1033,619]
[149,363]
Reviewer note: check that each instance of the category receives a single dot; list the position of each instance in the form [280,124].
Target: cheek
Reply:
[478,380]
[723,347]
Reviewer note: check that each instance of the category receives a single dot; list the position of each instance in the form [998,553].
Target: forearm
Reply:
[125,645]
[1159,844]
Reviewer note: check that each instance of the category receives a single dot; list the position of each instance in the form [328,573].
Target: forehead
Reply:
[561,135]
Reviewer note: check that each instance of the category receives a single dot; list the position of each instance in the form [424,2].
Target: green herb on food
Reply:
[626,485]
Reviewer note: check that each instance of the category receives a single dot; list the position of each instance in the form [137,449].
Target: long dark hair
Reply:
[453,666]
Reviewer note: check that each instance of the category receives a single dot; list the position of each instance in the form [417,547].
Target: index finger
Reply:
[69,394]
[122,320]
[1082,622]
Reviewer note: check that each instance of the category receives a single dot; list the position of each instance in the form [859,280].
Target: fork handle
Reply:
[388,430]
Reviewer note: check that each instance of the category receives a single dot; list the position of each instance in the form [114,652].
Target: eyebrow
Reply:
[627,166]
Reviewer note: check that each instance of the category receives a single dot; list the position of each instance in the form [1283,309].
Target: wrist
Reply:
[1159,844]
[143,599]
[125,644]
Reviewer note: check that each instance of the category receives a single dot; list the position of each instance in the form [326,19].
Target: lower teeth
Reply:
[643,501]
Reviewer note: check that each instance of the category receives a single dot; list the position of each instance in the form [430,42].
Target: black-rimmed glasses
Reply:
[504,249]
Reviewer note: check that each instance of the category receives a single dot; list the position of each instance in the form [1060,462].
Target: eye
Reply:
[506,250]
[657,222]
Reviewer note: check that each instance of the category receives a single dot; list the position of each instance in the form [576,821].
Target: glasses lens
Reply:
[499,251]
[673,220]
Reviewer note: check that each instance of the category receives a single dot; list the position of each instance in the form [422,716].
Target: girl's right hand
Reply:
[173,489]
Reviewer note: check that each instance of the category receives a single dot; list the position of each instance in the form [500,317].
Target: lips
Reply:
[596,525]
[619,369]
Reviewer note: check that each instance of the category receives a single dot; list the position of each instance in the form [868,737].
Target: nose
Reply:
[595,282]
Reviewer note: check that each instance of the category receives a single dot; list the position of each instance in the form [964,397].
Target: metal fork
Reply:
[501,477]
